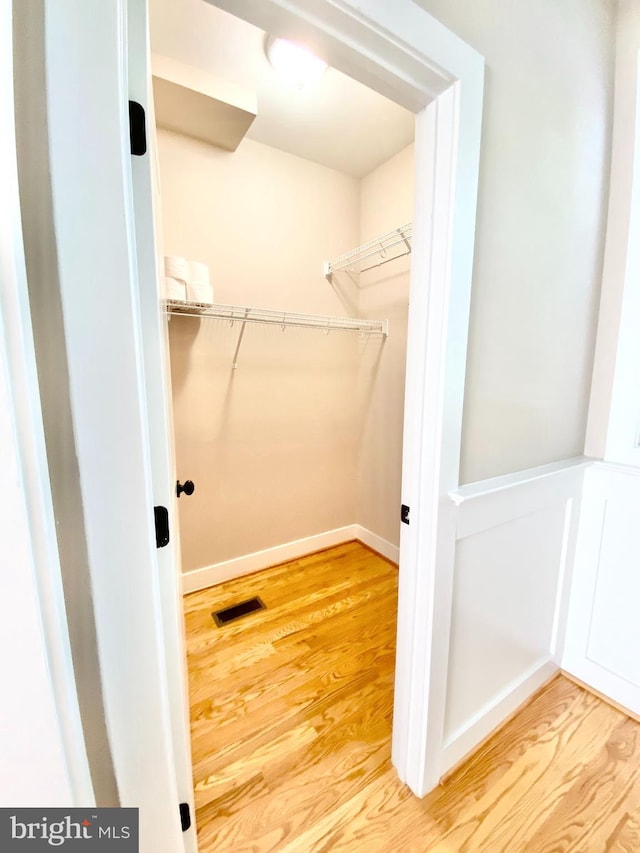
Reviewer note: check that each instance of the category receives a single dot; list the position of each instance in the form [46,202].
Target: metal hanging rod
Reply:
[380,246]
[242,315]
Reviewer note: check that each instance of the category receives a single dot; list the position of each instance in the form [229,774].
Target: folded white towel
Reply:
[174,289]
[202,293]
[197,273]
[176,267]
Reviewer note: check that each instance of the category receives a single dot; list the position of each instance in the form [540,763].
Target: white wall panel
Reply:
[603,634]
[515,544]
[614,638]
[503,607]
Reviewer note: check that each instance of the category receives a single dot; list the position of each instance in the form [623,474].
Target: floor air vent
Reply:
[230,614]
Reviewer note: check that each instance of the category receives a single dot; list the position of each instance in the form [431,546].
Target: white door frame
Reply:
[400,50]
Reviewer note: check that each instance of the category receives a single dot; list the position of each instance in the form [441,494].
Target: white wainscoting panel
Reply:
[514,550]
[603,632]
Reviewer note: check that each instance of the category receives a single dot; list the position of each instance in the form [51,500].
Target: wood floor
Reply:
[291,721]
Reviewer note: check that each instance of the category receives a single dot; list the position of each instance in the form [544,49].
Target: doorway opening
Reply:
[288,352]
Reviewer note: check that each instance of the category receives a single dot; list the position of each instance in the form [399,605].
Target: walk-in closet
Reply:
[288,388]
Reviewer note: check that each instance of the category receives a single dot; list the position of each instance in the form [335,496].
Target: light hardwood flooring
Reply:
[291,721]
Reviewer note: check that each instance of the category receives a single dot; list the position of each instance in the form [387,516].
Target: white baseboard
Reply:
[245,565]
[377,543]
[493,715]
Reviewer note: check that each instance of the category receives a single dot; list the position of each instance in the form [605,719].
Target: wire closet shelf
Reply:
[239,314]
[267,316]
[399,238]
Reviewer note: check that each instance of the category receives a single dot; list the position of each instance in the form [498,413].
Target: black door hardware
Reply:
[137,129]
[161,518]
[185,816]
[188,488]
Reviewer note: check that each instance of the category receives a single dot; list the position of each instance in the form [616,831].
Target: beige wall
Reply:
[271,446]
[386,201]
[539,244]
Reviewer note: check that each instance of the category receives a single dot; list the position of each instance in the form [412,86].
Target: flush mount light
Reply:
[294,63]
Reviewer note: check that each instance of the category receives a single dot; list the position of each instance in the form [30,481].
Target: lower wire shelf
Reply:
[267,316]
[235,313]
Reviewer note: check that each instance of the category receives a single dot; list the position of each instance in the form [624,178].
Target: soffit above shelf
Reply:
[194,103]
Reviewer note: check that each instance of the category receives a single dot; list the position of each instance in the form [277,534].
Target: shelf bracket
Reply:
[234,365]
[404,235]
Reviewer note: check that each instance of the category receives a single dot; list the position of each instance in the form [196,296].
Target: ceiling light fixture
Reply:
[294,63]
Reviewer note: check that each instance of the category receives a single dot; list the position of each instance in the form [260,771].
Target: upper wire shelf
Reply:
[240,314]
[381,246]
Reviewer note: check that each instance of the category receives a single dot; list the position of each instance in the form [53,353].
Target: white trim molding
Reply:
[549,473]
[237,567]
[256,561]
[377,543]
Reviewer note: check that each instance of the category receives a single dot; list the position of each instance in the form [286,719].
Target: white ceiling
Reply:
[339,123]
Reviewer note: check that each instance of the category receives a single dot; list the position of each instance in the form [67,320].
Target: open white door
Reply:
[112,330]
[144,173]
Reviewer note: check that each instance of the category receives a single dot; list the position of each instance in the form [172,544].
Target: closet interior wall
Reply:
[270,445]
[309,425]
[386,201]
